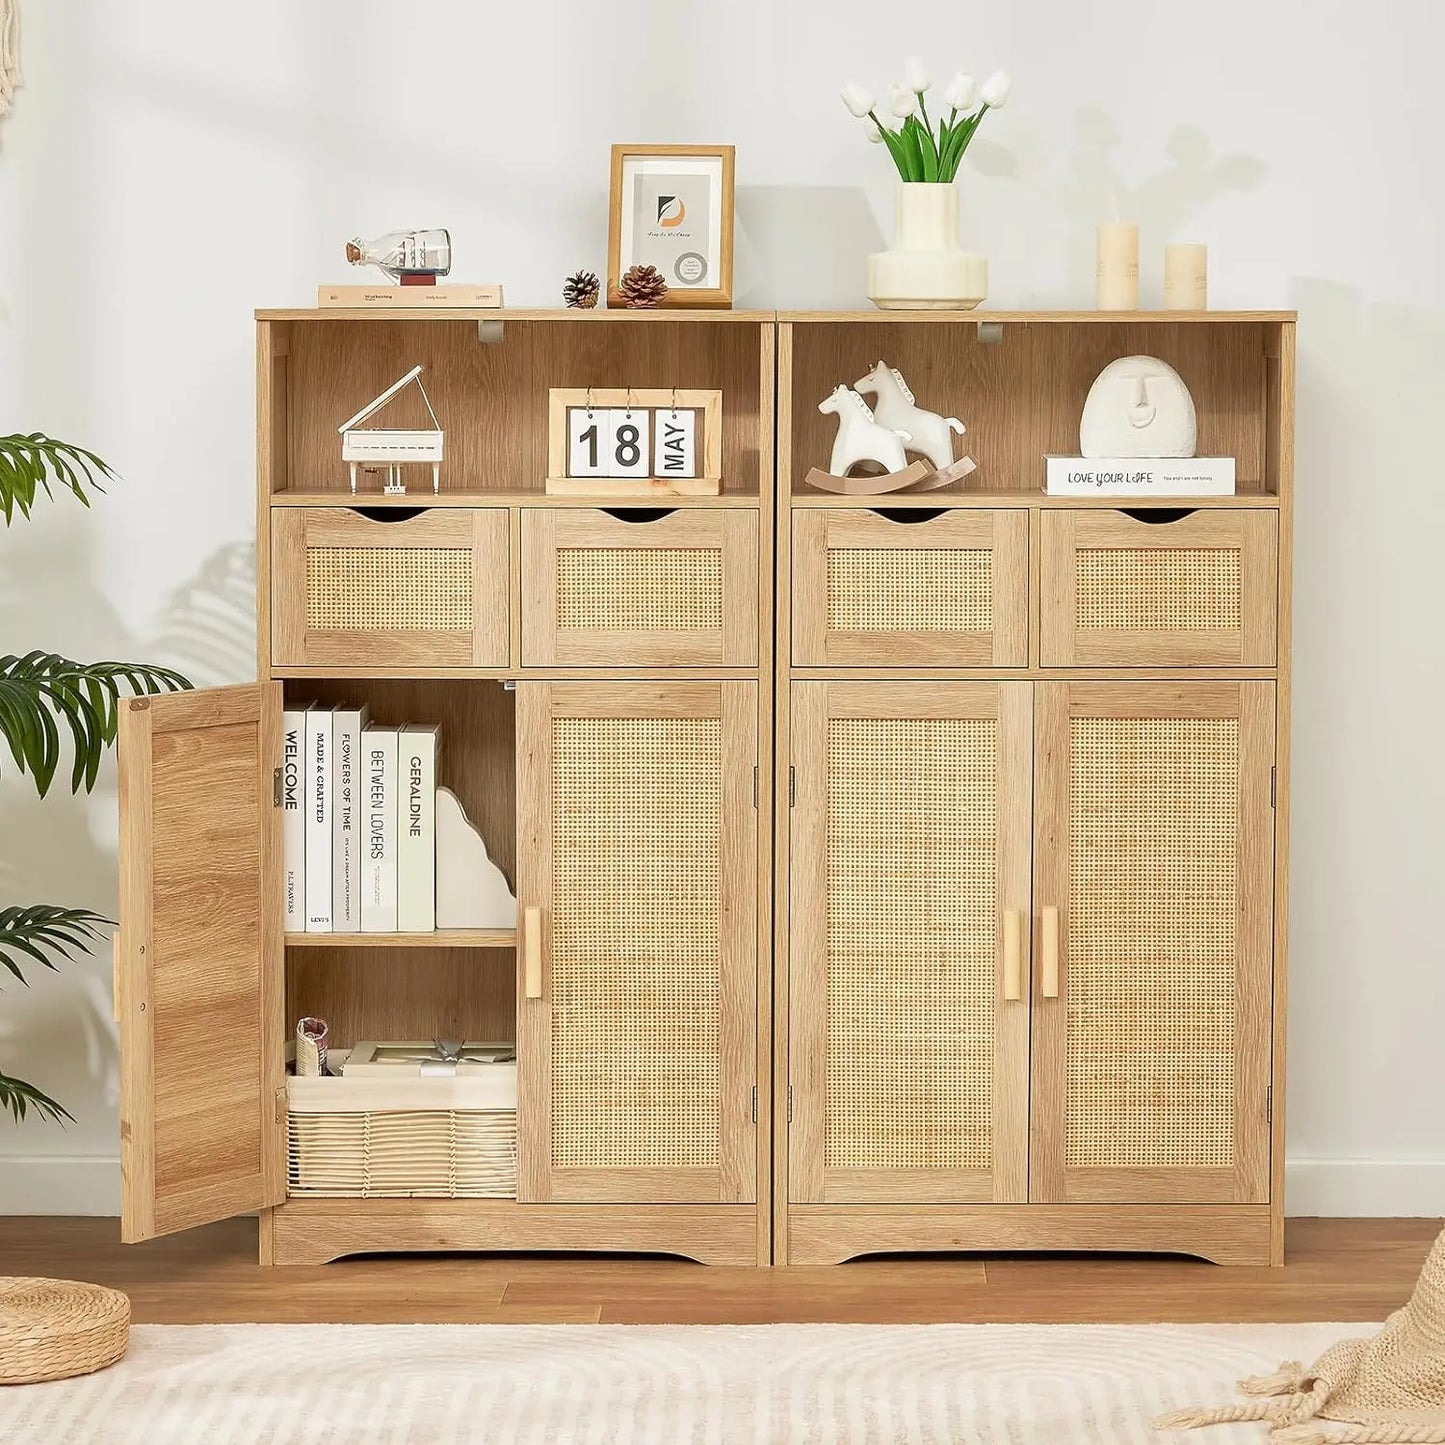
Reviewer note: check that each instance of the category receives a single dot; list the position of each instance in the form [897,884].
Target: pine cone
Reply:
[642,286]
[580,290]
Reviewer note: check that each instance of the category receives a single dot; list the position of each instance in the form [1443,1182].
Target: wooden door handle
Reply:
[115,974]
[532,952]
[1049,947]
[1013,955]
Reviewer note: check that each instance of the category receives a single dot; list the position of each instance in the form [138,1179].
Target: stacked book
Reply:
[359,834]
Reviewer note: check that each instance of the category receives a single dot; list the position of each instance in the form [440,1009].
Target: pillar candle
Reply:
[1186,277]
[1118,274]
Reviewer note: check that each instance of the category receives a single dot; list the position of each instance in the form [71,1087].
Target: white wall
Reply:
[171,165]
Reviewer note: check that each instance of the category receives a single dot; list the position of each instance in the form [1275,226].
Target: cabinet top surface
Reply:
[665,315]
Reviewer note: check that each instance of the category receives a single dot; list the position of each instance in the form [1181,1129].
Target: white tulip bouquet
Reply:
[921,150]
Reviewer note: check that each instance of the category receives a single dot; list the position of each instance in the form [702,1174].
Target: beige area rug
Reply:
[664,1385]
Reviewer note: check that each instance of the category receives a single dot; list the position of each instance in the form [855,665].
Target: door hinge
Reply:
[280,1106]
[1269,1104]
[276,788]
[790,1103]
[1271,787]
[755,1103]
[792,786]
[755,787]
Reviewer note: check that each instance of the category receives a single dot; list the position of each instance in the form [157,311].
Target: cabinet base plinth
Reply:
[1224,1234]
[316,1231]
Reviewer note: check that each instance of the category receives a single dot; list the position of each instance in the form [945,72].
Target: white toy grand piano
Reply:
[368,446]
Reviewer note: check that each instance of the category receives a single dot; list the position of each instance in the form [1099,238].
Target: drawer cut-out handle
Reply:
[387,514]
[1158,516]
[635,515]
[906,516]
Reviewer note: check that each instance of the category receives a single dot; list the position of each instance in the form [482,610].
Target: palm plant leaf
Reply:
[21,1098]
[32,934]
[42,691]
[35,463]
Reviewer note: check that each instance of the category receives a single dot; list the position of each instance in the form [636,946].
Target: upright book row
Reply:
[359,804]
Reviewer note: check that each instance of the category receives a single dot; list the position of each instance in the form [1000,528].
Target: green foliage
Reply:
[42,697]
[28,934]
[40,691]
[920,155]
[21,1098]
[31,464]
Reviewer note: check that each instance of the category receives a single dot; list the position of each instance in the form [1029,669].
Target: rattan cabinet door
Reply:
[604,590]
[425,592]
[899,589]
[1155,844]
[1198,591]
[638,887]
[908,957]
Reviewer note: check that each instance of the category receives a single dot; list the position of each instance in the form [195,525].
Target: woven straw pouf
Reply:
[51,1329]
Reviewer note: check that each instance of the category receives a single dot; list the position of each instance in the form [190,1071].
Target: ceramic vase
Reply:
[926,269]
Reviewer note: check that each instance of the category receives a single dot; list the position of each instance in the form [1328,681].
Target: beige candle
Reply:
[1117,282]
[1186,277]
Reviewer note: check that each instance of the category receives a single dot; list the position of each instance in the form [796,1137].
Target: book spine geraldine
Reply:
[417,833]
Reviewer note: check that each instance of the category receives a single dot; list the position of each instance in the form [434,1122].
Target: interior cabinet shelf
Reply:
[422,499]
[442,938]
[932,501]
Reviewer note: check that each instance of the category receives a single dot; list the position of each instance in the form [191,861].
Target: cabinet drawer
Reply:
[1196,591]
[617,590]
[427,591]
[879,589]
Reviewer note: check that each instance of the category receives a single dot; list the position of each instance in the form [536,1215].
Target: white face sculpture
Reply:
[1138,407]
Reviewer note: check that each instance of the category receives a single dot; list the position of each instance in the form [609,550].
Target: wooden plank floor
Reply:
[1338,1269]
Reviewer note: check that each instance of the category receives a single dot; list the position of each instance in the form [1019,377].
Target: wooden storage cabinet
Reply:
[627,811]
[632,588]
[903,588]
[351,588]
[1158,589]
[1032,830]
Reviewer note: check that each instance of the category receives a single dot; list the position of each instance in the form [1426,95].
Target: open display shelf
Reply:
[826,942]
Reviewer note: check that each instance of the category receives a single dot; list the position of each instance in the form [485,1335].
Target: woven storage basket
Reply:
[51,1329]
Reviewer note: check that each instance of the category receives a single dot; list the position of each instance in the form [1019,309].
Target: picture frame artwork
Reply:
[672,208]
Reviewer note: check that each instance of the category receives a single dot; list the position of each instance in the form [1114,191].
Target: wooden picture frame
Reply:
[706,403]
[674,259]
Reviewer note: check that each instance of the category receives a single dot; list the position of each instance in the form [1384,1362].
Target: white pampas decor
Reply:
[9,52]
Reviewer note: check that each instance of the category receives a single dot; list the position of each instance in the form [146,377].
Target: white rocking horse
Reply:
[927,433]
[860,438]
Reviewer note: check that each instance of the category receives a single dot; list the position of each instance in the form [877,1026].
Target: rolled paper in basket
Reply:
[311,1037]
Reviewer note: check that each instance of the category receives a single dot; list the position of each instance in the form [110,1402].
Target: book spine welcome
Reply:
[346,799]
[378,869]
[416,851]
[293,822]
[317,804]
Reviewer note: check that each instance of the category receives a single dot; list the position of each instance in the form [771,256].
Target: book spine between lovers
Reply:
[379,816]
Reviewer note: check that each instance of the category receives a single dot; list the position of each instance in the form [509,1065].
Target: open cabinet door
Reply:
[199,962]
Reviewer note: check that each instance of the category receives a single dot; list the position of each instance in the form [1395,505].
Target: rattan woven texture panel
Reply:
[639,589]
[912,923]
[1152,937]
[431,1154]
[389,589]
[636,943]
[897,589]
[1158,589]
